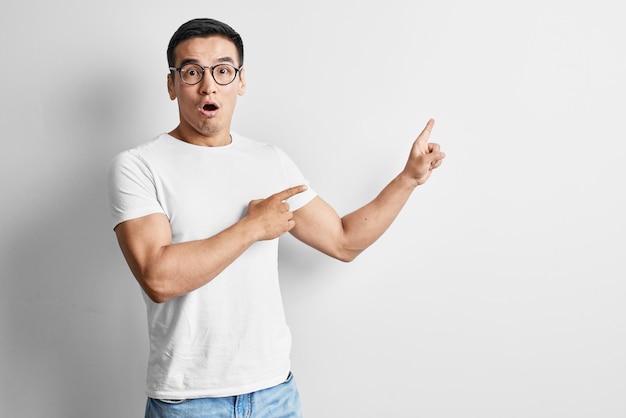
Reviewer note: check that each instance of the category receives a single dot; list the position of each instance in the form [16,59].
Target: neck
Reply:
[211,140]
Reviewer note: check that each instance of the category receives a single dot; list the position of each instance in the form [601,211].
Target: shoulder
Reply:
[257,148]
[140,154]
[135,161]
[242,141]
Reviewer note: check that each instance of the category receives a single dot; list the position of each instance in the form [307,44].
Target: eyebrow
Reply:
[195,61]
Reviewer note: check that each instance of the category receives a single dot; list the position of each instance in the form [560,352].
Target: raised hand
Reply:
[271,216]
[424,157]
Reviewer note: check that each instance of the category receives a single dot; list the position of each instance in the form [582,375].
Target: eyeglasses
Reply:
[223,74]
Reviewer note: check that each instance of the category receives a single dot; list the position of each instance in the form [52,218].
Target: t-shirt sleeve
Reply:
[131,189]
[296,178]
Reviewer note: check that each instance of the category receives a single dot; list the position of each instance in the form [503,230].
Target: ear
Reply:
[170,86]
[242,82]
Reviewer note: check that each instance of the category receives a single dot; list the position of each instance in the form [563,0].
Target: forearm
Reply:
[177,269]
[364,226]
[165,270]
[318,225]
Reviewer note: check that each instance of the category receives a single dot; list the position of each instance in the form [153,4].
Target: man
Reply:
[197,213]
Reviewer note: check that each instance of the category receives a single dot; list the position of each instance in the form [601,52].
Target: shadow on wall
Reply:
[74,341]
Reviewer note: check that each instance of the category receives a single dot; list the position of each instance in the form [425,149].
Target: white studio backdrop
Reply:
[499,291]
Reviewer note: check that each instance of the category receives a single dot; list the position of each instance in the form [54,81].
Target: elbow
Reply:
[344,252]
[155,294]
[345,259]
[349,258]
[345,256]
[154,288]
[156,297]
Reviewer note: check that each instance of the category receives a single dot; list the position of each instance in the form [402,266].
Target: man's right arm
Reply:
[165,270]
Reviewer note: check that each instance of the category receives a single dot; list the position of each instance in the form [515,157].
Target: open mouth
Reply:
[209,109]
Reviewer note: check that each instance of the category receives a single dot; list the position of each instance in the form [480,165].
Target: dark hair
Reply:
[203,28]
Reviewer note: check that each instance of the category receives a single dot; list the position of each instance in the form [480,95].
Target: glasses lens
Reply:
[224,73]
[191,73]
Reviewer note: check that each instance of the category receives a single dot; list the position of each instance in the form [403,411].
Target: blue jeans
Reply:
[282,401]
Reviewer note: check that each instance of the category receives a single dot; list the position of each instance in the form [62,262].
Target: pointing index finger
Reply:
[423,137]
[290,192]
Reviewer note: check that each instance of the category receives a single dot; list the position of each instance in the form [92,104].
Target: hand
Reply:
[272,216]
[424,157]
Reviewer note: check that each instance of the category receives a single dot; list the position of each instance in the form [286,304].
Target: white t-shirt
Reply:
[228,337]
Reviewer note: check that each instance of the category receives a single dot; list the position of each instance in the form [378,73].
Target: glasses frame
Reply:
[211,68]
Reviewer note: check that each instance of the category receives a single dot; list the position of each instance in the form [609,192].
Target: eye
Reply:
[191,70]
[224,70]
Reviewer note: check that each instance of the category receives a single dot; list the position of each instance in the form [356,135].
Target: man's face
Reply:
[206,109]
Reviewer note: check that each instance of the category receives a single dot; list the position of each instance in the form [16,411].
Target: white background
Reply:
[498,292]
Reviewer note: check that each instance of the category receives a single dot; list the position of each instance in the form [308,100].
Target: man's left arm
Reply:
[319,226]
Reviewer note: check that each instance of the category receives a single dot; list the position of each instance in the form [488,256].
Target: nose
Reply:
[208,84]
